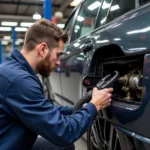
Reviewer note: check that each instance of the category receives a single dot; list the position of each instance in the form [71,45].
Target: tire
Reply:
[104,136]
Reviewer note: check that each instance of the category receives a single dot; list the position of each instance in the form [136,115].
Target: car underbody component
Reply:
[107,81]
[131,82]
[128,88]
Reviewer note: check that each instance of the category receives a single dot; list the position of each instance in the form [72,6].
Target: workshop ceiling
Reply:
[22,11]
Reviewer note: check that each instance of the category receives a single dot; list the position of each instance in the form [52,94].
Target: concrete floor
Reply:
[81,144]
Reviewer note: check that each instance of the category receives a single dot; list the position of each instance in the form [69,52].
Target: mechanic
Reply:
[24,111]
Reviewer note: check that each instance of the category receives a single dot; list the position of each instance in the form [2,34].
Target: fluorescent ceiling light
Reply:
[133,32]
[7,38]
[5,28]
[115,7]
[77,27]
[26,24]
[117,39]
[82,46]
[36,16]
[68,52]
[103,20]
[139,31]
[96,37]
[76,30]
[102,41]
[75,3]
[19,29]
[139,48]
[79,18]
[94,5]
[61,25]
[4,42]
[5,23]
[76,44]
[80,58]
[105,5]
[20,40]
[17,43]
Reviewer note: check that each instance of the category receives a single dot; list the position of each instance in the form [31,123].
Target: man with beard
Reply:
[24,111]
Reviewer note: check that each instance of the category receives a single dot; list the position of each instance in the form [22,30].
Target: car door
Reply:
[55,80]
[74,61]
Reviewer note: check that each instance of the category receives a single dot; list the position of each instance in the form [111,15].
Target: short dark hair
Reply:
[44,31]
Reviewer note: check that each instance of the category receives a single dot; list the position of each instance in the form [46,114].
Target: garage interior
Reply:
[17,15]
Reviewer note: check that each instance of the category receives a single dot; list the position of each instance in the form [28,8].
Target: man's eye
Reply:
[58,55]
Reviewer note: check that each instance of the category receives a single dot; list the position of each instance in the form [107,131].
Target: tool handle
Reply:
[105,82]
[85,99]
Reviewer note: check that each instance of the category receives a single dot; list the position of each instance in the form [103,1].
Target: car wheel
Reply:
[104,136]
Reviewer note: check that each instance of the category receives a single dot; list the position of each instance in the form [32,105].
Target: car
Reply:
[107,36]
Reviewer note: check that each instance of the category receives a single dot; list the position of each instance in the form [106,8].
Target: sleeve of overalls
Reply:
[65,110]
[30,107]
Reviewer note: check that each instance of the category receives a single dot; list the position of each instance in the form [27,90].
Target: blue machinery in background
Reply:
[47,14]
[48,9]
[1,52]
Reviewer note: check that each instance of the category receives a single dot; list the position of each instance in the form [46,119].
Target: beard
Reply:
[45,67]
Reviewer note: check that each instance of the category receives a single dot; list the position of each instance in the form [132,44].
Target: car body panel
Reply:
[131,33]
[133,40]
[127,32]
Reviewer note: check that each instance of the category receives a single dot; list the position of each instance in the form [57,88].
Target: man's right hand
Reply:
[101,98]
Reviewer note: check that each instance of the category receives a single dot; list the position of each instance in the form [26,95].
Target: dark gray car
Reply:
[108,36]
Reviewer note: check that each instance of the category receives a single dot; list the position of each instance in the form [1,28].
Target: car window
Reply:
[120,7]
[68,27]
[142,2]
[86,18]
[104,11]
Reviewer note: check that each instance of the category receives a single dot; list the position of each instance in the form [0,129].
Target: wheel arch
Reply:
[103,52]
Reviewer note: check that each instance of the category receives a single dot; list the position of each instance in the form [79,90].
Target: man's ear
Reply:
[42,49]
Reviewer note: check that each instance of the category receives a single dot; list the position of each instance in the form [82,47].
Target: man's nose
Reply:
[58,62]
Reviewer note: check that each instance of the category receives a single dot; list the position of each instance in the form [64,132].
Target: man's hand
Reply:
[101,98]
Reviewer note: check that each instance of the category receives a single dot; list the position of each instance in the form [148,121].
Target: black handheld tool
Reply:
[105,82]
